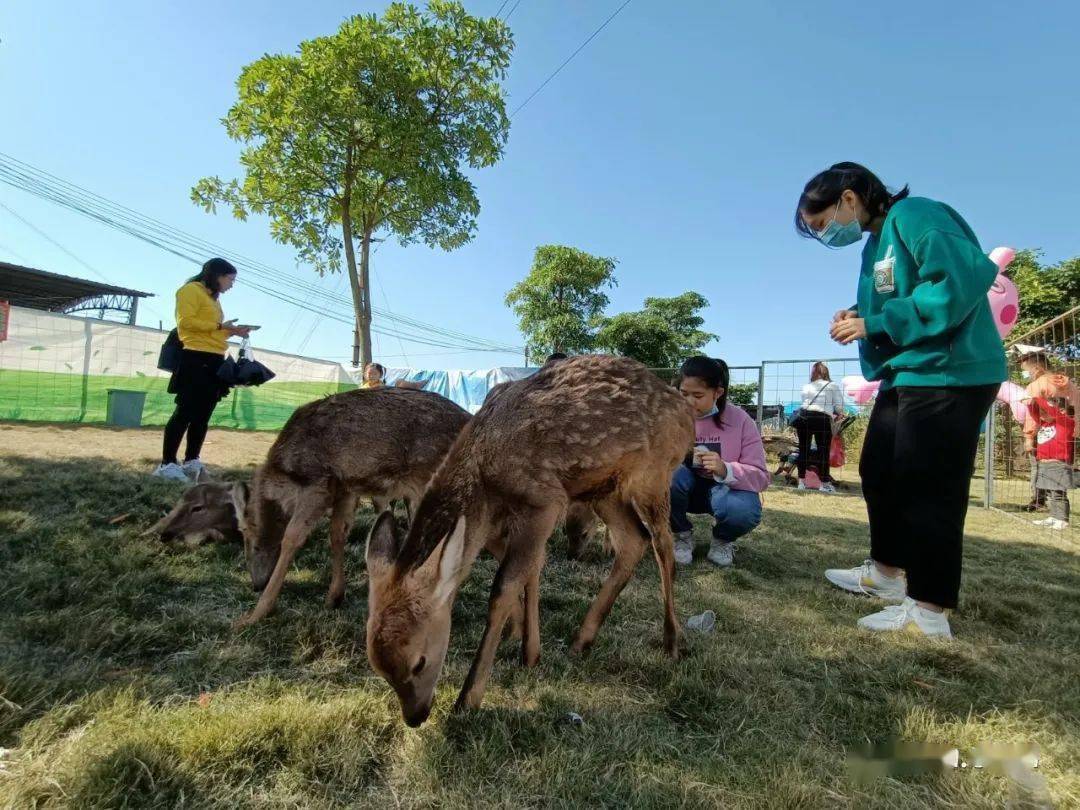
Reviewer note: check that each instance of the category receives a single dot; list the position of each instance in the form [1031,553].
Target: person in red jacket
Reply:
[1050,433]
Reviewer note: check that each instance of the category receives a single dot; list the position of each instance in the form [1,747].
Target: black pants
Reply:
[916,467]
[817,426]
[198,392]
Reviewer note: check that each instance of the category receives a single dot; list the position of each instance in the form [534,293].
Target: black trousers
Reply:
[916,467]
[198,391]
[817,426]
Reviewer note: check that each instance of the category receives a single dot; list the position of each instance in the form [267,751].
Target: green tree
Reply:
[367,131]
[662,335]
[742,393]
[1046,290]
[561,300]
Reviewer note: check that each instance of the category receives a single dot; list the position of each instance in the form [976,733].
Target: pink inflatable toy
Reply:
[1015,396]
[860,390]
[1004,299]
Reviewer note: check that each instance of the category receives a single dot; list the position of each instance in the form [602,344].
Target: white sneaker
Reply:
[1056,524]
[909,617]
[827,488]
[866,578]
[684,548]
[1043,522]
[171,472]
[801,484]
[721,553]
[196,470]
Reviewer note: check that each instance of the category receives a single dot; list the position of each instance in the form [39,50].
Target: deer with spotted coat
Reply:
[382,443]
[596,429]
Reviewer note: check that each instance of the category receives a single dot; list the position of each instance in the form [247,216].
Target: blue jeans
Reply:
[736,511]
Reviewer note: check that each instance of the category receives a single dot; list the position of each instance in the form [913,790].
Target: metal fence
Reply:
[1005,472]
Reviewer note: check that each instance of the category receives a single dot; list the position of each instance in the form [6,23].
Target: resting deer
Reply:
[594,428]
[384,443]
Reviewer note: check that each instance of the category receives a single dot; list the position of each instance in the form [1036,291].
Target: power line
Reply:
[513,8]
[566,62]
[501,7]
[184,245]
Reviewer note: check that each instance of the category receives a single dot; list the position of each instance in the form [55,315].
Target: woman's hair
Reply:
[711,371]
[379,366]
[820,371]
[211,272]
[824,190]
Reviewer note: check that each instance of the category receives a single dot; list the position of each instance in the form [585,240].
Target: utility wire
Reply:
[566,62]
[49,187]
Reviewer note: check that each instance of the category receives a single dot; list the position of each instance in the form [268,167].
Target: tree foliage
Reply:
[561,299]
[662,334]
[370,130]
[1046,290]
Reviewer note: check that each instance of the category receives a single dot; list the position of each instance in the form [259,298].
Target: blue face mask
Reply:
[713,412]
[835,235]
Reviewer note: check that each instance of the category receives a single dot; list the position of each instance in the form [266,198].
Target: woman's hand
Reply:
[848,330]
[843,315]
[233,330]
[713,464]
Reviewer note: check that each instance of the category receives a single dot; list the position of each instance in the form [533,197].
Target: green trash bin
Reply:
[125,407]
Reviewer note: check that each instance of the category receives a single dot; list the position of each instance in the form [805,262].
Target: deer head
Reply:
[210,510]
[408,627]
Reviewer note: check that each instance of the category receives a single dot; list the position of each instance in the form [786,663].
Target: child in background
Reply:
[725,473]
[1049,433]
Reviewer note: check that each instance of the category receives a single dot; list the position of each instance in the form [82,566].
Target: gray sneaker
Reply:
[721,553]
[171,472]
[684,548]
[196,471]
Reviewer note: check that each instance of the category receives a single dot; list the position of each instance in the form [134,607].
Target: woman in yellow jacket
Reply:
[203,331]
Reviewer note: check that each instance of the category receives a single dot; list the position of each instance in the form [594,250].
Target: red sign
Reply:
[5,316]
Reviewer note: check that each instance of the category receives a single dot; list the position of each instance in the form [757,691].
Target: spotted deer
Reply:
[382,443]
[595,429]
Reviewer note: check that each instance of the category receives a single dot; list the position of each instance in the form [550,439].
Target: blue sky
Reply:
[676,142]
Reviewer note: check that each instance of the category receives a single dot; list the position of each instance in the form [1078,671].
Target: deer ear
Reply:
[382,542]
[453,549]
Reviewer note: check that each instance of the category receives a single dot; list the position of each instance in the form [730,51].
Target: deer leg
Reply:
[307,513]
[516,628]
[530,641]
[523,558]
[579,523]
[655,514]
[628,541]
[341,523]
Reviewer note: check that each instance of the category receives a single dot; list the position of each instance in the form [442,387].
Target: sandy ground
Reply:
[134,446]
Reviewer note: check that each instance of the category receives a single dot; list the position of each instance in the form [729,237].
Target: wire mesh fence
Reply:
[1030,469]
[60,368]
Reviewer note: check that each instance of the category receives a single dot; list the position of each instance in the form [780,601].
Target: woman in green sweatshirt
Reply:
[924,328]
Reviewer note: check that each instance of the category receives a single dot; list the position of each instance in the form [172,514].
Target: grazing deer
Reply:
[384,443]
[598,429]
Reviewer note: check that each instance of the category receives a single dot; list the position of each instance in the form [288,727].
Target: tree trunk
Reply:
[365,286]
[358,283]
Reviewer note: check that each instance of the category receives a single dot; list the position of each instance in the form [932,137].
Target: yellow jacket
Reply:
[198,319]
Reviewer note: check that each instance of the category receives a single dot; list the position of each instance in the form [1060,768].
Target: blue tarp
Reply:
[466,388]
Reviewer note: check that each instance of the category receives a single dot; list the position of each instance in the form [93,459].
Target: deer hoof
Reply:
[244,621]
[334,600]
[580,648]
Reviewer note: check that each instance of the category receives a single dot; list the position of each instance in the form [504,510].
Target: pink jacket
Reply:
[740,447]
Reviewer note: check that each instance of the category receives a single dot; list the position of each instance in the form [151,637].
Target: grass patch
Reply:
[122,685]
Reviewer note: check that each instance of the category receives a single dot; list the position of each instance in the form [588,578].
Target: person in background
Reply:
[822,403]
[925,330]
[555,357]
[1049,434]
[375,377]
[204,333]
[726,472]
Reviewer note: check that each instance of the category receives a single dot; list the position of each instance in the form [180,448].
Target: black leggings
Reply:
[198,392]
[817,426]
[916,467]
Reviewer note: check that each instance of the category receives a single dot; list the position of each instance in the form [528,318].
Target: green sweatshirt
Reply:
[922,294]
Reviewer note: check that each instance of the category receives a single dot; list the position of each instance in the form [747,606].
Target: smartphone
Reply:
[706,447]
